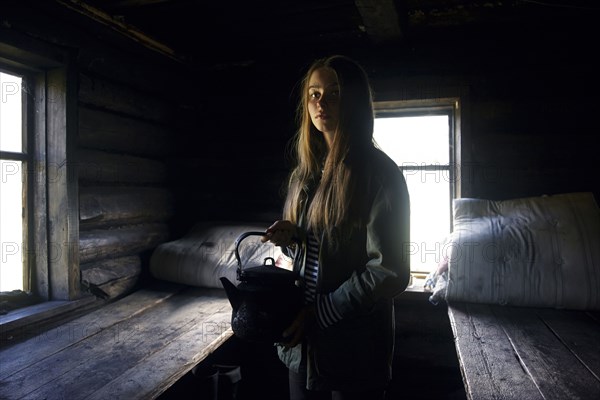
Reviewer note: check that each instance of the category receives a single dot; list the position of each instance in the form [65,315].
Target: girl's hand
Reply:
[300,327]
[281,233]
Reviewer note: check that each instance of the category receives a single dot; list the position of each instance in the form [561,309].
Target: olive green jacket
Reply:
[364,271]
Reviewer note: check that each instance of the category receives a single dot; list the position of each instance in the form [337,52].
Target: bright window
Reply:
[38,194]
[420,142]
[13,193]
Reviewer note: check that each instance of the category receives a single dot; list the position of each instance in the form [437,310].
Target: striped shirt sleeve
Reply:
[326,312]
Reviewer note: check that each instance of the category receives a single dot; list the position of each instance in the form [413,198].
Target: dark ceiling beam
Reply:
[380,20]
[126,30]
[118,5]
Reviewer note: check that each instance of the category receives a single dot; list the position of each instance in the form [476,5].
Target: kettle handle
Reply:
[244,236]
[239,240]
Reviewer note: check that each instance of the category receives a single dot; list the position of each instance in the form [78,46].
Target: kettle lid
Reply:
[267,273]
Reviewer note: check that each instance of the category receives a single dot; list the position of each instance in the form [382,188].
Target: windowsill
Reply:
[417,284]
[20,323]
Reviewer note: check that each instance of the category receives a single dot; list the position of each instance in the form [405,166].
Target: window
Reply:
[14,160]
[420,139]
[40,232]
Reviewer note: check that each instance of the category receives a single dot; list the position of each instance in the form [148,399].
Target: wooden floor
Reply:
[425,363]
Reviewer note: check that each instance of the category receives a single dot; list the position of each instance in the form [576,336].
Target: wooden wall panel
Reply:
[106,167]
[125,137]
[108,95]
[108,131]
[105,206]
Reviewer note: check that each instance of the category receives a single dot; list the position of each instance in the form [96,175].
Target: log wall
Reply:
[529,104]
[124,200]
[153,134]
[124,112]
[527,108]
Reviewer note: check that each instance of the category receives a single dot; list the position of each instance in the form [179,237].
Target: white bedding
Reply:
[206,253]
[538,251]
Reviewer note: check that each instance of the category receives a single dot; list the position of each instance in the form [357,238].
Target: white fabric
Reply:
[206,253]
[538,251]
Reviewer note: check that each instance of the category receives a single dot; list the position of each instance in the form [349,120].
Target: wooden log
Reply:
[120,287]
[115,277]
[103,59]
[104,271]
[105,206]
[101,244]
[111,132]
[100,93]
[102,167]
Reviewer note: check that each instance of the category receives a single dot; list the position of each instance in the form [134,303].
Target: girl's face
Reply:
[324,100]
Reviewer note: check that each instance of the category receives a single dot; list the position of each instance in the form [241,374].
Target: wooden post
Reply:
[63,221]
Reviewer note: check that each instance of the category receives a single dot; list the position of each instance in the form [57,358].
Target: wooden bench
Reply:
[527,353]
[134,348]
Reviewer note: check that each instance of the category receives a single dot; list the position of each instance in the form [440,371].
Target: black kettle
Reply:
[266,300]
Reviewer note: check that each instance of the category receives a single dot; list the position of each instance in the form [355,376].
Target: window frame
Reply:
[53,218]
[26,158]
[451,107]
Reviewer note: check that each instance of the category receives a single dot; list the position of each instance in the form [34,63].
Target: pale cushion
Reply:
[206,253]
[538,251]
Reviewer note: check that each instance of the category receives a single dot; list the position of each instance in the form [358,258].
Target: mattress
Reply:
[207,253]
[537,251]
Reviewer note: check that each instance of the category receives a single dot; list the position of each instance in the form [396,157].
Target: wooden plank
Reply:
[112,132]
[487,358]
[579,332]
[26,322]
[556,371]
[39,221]
[164,368]
[117,205]
[83,368]
[47,343]
[555,354]
[63,225]
[103,167]
[126,30]
[101,244]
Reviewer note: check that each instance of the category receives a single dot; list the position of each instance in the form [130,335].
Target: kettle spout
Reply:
[233,294]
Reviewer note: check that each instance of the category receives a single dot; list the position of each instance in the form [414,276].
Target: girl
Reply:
[347,202]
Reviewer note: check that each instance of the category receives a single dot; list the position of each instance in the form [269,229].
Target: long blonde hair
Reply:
[336,175]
